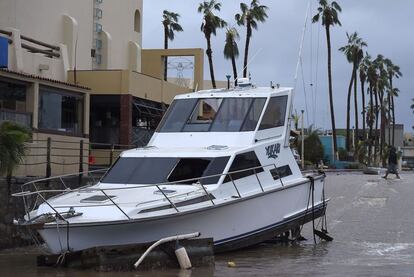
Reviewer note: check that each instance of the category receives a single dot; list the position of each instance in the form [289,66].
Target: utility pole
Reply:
[303,141]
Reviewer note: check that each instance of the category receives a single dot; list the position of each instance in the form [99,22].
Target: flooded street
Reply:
[371,220]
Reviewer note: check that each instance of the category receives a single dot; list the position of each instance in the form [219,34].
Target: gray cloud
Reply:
[385,25]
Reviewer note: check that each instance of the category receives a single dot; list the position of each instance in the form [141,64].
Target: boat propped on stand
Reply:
[219,164]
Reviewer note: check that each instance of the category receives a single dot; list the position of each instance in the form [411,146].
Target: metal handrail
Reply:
[86,189]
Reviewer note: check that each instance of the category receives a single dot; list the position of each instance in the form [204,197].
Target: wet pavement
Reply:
[371,220]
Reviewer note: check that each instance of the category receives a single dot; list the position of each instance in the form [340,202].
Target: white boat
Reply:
[219,164]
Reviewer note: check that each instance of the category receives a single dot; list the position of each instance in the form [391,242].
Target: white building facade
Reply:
[86,34]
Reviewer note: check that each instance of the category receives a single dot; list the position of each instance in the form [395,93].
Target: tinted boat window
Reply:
[253,117]
[162,170]
[244,161]
[188,169]
[275,113]
[177,115]
[216,167]
[140,170]
[232,113]
[281,172]
[212,114]
[203,115]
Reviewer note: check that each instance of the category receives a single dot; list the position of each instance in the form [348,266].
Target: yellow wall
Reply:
[152,62]
[128,82]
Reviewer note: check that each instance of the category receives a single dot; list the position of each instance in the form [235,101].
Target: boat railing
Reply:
[31,188]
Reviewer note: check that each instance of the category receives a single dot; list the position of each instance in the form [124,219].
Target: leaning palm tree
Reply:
[171,25]
[250,17]
[393,72]
[211,23]
[354,54]
[328,14]
[13,140]
[231,49]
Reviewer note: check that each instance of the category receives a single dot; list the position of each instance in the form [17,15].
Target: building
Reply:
[74,71]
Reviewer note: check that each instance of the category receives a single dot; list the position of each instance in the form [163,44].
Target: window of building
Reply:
[12,96]
[13,103]
[244,162]
[275,113]
[281,172]
[137,21]
[60,110]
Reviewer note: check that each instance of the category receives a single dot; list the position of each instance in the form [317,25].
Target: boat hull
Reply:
[240,223]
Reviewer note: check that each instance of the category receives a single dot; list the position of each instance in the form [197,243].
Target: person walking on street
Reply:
[392,163]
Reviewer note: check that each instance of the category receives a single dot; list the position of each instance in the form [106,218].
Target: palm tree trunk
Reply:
[356,138]
[246,49]
[363,108]
[393,111]
[233,63]
[382,127]
[371,122]
[209,53]
[348,112]
[165,58]
[389,117]
[393,121]
[376,126]
[331,104]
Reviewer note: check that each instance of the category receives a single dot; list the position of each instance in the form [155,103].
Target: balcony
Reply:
[24,119]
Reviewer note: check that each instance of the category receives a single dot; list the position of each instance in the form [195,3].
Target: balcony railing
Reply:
[24,119]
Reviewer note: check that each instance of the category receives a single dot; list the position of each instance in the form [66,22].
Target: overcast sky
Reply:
[387,27]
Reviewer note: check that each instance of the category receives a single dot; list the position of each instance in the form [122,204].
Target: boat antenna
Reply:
[248,63]
[301,45]
[76,58]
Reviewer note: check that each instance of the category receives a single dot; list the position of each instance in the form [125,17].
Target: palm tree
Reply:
[354,54]
[211,23]
[171,25]
[393,72]
[250,17]
[231,49]
[13,140]
[363,71]
[328,13]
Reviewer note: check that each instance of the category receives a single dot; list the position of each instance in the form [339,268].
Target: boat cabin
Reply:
[209,133]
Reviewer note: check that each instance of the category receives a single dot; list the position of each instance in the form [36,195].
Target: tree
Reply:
[363,71]
[328,14]
[13,138]
[313,146]
[250,17]
[354,54]
[211,23]
[231,49]
[171,25]
[393,72]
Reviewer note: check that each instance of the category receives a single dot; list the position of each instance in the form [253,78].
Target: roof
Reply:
[236,92]
[31,76]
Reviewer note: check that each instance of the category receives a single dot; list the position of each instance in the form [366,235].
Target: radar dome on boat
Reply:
[244,82]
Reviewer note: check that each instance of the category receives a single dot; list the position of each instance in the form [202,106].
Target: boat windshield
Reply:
[212,115]
[162,170]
